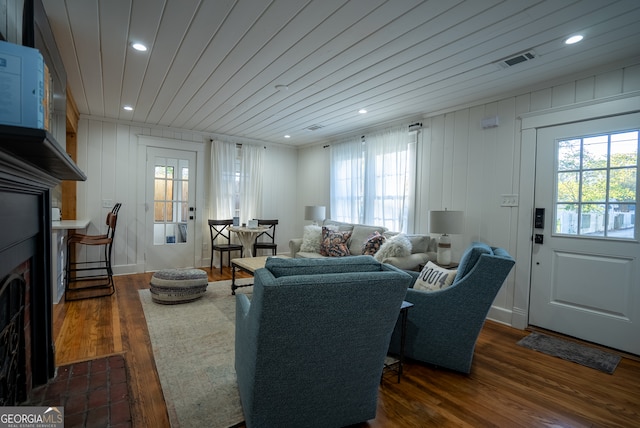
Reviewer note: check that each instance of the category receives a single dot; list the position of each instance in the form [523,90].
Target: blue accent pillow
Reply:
[470,258]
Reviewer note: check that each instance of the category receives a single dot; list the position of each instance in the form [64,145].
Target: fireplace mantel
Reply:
[37,147]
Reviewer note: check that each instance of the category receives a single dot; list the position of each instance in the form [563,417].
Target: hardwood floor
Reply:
[508,386]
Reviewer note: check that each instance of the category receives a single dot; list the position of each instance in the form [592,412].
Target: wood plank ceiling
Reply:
[213,65]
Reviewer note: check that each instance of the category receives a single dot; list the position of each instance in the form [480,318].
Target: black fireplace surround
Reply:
[31,164]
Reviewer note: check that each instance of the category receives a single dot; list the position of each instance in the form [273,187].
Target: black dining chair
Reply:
[221,240]
[267,239]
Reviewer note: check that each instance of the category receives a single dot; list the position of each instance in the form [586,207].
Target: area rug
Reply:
[571,351]
[193,347]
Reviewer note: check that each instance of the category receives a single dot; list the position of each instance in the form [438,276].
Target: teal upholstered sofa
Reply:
[311,341]
[443,326]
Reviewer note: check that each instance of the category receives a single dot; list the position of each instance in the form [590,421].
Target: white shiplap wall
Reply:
[464,167]
[108,153]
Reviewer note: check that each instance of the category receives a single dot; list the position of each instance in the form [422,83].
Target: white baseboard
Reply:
[500,315]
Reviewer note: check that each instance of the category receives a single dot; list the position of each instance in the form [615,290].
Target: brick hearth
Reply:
[93,393]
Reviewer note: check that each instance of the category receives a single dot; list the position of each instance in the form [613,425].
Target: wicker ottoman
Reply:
[172,286]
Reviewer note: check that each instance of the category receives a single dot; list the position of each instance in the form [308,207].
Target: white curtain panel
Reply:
[373,179]
[223,176]
[251,167]
[392,152]
[347,181]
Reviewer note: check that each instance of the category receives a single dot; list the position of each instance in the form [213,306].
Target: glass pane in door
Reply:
[170,203]
[596,185]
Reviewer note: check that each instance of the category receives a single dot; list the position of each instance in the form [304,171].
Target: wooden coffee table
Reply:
[248,265]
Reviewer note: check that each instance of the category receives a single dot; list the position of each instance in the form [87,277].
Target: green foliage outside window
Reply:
[596,175]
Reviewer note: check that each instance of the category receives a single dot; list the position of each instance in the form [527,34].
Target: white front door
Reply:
[170,202]
[585,279]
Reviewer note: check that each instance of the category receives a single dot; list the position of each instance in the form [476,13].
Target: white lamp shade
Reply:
[314,212]
[446,222]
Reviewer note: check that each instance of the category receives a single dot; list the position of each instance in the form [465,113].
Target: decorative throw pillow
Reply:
[373,244]
[397,246]
[334,243]
[434,278]
[311,238]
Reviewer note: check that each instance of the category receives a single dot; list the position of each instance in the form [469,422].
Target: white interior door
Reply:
[170,212]
[585,271]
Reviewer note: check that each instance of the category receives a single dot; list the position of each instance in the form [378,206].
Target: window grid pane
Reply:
[596,185]
[170,200]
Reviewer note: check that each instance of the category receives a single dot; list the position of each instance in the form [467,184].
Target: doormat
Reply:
[571,351]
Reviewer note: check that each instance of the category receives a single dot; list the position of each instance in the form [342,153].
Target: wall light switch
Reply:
[509,200]
[107,203]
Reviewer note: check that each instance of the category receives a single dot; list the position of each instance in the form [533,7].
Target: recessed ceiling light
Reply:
[139,47]
[287,136]
[362,111]
[128,108]
[574,39]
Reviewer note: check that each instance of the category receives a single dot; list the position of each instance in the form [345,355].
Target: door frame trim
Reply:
[145,141]
[530,122]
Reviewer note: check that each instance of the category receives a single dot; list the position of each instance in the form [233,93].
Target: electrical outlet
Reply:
[107,203]
[509,200]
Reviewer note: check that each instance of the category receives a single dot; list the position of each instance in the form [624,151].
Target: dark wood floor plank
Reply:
[149,405]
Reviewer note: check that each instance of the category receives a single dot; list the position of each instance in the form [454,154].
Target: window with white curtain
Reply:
[373,178]
[236,180]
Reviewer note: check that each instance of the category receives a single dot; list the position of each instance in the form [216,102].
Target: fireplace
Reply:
[31,164]
[16,336]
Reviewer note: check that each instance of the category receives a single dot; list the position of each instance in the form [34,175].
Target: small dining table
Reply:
[248,236]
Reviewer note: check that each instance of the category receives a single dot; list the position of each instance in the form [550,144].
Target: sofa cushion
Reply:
[337,225]
[470,258]
[334,243]
[279,266]
[311,238]
[359,236]
[397,246]
[373,243]
[411,262]
[420,243]
[434,278]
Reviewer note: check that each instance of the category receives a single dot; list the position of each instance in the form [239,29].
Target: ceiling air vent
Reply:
[314,127]
[516,59]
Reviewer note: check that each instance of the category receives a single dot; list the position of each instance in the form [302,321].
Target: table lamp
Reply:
[315,213]
[445,222]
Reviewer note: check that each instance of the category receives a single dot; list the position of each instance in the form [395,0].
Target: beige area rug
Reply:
[193,346]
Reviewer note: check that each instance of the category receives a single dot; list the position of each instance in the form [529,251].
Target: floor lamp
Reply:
[445,222]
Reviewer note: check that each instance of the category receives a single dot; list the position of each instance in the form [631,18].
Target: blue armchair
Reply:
[444,325]
[311,342]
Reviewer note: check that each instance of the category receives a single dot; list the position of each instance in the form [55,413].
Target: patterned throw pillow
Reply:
[373,244]
[334,243]
[434,278]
